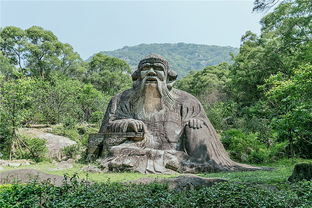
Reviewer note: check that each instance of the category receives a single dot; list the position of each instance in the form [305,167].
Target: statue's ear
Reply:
[172,76]
[135,76]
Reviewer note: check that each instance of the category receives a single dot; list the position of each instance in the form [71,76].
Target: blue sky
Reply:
[93,26]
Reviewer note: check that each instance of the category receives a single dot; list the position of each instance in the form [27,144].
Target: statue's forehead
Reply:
[154,60]
[152,64]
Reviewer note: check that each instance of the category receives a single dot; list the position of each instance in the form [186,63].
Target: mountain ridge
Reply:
[182,57]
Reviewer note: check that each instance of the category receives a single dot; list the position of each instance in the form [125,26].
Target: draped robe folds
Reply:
[169,144]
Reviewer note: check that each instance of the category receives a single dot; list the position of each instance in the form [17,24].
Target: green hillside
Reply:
[182,57]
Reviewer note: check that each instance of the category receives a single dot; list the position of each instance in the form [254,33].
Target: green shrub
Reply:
[245,147]
[72,151]
[79,132]
[83,194]
[69,122]
[32,148]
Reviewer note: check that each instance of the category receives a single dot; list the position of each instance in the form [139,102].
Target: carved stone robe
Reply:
[169,145]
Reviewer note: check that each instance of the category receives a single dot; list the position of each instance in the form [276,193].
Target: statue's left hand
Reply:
[195,123]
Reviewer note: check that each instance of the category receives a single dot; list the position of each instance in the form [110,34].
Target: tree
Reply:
[290,99]
[283,47]
[208,85]
[108,74]
[92,103]
[12,45]
[15,109]
[6,68]
[38,52]
[261,5]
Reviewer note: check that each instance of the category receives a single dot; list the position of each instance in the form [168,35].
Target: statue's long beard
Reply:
[150,99]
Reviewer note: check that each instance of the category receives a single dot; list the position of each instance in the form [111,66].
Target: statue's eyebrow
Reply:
[144,65]
[158,65]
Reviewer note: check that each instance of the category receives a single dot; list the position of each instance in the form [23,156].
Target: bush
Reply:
[72,151]
[32,148]
[83,194]
[245,147]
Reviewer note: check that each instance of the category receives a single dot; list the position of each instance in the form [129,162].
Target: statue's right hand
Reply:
[122,125]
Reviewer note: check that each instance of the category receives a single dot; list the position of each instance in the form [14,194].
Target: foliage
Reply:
[248,147]
[62,98]
[182,57]
[108,74]
[76,132]
[264,71]
[206,81]
[73,151]
[15,109]
[38,52]
[83,194]
[291,98]
[32,148]
[208,85]
[7,70]
[261,5]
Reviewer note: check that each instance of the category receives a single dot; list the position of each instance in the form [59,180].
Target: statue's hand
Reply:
[123,124]
[195,123]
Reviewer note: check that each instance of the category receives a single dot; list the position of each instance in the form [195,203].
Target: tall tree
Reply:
[15,109]
[38,52]
[108,74]
[283,47]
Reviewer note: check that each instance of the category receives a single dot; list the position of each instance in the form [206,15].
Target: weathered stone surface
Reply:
[63,165]
[154,128]
[302,171]
[184,182]
[91,169]
[55,143]
[29,175]
[14,163]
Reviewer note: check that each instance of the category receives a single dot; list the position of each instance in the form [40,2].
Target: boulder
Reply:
[14,163]
[63,165]
[29,175]
[91,169]
[55,143]
[302,171]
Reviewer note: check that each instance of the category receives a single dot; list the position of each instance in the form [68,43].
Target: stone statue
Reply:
[155,128]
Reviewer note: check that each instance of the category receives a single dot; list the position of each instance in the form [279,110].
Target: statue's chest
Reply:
[166,126]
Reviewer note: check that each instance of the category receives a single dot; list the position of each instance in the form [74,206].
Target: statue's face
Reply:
[152,73]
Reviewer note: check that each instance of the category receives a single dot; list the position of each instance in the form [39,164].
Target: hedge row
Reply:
[83,194]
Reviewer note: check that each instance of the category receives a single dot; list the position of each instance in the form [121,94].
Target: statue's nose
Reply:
[151,72]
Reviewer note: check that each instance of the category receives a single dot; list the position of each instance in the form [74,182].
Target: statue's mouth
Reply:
[151,80]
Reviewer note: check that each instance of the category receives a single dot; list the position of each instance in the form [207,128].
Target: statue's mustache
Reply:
[151,79]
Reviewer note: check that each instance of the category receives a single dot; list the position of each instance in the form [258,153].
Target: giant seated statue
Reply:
[155,128]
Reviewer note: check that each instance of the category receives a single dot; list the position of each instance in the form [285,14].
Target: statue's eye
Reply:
[159,68]
[145,68]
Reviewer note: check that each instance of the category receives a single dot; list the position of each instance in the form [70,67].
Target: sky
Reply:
[93,26]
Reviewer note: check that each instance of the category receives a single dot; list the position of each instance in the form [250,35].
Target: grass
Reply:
[280,173]
[282,170]
[48,167]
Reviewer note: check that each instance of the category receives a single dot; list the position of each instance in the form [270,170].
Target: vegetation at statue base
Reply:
[85,194]
[260,102]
